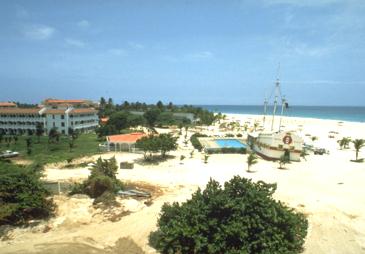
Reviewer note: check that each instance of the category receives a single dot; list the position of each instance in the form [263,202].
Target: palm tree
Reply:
[255,125]
[206,157]
[251,160]
[358,144]
[344,142]
[283,160]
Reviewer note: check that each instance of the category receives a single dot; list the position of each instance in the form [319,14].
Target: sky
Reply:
[188,52]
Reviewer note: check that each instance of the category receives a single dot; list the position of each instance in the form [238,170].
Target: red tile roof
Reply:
[56,101]
[7,104]
[125,138]
[55,111]
[9,111]
[83,110]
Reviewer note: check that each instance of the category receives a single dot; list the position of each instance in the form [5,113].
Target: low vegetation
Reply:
[23,196]
[241,150]
[283,160]
[242,217]
[102,184]
[51,150]
[152,144]
[130,114]
[195,142]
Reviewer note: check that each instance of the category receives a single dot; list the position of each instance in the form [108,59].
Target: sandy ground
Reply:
[329,189]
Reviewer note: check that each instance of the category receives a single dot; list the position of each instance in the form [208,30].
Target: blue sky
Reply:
[194,52]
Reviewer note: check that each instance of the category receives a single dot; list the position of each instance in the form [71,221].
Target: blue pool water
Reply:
[231,143]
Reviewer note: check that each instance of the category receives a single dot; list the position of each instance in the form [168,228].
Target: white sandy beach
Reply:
[329,189]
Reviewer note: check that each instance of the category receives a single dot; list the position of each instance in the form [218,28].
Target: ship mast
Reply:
[265,111]
[283,102]
[277,92]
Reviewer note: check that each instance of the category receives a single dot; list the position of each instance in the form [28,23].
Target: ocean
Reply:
[353,114]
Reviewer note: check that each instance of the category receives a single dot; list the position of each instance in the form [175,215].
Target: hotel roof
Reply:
[9,111]
[55,111]
[83,110]
[65,102]
[7,104]
[125,138]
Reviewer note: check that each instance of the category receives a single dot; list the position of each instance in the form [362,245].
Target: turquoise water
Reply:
[229,143]
[353,114]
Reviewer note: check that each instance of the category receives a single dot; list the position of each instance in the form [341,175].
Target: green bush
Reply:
[162,143]
[195,142]
[22,194]
[241,150]
[242,217]
[97,185]
[102,180]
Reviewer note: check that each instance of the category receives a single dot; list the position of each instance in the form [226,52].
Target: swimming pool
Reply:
[229,143]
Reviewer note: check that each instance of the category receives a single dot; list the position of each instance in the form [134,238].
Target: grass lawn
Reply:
[85,144]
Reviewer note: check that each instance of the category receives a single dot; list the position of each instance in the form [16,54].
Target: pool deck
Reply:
[209,142]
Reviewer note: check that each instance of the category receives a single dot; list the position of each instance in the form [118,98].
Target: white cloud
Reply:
[135,45]
[200,55]
[117,52]
[38,32]
[74,43]
[83,23]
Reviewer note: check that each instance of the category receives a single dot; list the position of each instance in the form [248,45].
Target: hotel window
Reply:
[62,117]
[72,123]
[52,116]
[63,124]
[54,124]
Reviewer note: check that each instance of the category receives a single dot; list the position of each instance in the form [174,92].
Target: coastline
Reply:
[304,126]
[337,113]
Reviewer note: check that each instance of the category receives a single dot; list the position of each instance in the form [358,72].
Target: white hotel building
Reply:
[60,114]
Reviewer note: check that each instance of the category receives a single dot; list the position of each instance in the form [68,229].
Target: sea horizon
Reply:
[341,113]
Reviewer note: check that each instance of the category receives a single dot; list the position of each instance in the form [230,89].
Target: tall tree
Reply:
[152,116]
[251,160]
[160,105]
[358,144]
[39,130]
[53,135]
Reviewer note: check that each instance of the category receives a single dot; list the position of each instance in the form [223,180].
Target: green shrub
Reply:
[195,142]
[242,217]
[162,143]
[102,180]
[97,185]
[241,150]
[22,194]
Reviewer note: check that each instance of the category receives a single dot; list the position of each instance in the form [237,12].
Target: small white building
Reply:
[273,145]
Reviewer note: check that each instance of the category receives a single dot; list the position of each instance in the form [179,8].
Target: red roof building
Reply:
[7,105]
[123,142]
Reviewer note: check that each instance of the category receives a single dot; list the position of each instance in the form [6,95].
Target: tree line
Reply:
[132,114]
